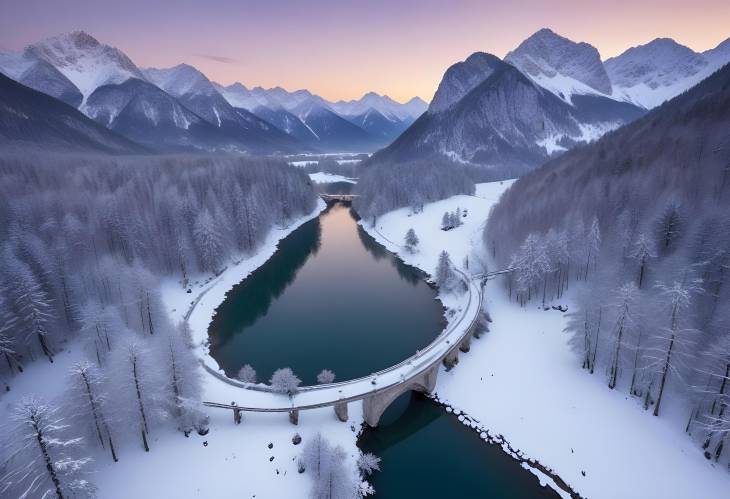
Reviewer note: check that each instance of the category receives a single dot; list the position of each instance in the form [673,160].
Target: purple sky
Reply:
[341,49]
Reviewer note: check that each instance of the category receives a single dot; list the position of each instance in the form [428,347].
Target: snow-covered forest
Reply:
[385,187]
[639,222]
[85,241]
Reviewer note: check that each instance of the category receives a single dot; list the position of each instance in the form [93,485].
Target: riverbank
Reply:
[521,381]
[254,459]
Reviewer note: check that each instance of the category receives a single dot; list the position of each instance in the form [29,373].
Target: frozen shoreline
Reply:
[231,460]
[521,381]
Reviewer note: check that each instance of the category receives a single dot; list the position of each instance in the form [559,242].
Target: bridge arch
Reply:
[376,404]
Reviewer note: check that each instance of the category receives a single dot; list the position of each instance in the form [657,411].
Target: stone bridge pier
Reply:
[375,405]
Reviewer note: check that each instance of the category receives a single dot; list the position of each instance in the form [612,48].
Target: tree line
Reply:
[85,241]
[386,187]
[639,220]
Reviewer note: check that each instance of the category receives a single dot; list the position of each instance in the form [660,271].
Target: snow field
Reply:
[522,381]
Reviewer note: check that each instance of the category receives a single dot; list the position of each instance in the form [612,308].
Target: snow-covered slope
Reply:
[505,122]
[287,122]
[522,381]
[561,65]
[196,92]
[29,118]
[719,56]
[385,127]
[241,96]
[650,74]
[180,80]
[40,75]
[333,132]
[290,111]
[84,61]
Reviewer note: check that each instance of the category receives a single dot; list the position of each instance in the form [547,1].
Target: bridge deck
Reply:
[312,397]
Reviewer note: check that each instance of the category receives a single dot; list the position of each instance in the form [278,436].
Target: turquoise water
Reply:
[330,297]
[427,453]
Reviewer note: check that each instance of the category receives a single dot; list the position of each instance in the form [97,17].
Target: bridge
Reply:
[347,198]
[378,390]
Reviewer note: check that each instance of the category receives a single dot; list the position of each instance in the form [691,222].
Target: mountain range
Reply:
[179,108]
[505,116]
[29,118]
[547,95]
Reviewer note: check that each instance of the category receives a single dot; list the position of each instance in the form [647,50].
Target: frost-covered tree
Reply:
[368,463]
[209,241]
[88,404]
[247,374]
[32,306]
[669,226]
[444,275]
[332,479]
[585,325]
[674,344]
[385,187]
[325,377]
[96,325]
[593,244]
[312,454]
[137,385]
[558,255]
[9,353]
[714,413]
[532,266]
[446,221]
[411,240]
[623,324]
[284,381]
[182,377]
[41,458]
[642,252]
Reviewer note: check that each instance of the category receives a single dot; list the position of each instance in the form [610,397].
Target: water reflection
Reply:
[330,297]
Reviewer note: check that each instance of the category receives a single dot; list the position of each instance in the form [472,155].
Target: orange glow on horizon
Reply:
[341,50]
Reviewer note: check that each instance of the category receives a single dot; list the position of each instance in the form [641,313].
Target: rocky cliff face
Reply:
[547,55]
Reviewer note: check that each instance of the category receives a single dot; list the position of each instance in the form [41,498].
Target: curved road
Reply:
[256,398]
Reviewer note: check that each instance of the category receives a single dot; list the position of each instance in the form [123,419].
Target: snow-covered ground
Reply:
[328,178]
[522,381]
[231,461]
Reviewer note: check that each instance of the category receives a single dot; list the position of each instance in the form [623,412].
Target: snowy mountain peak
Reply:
[383,104]
[561,65]
[720,55]
[652,73]
[461,78]
[87,63]
[180,80]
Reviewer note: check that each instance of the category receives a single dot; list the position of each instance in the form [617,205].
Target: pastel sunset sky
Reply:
[342,49]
